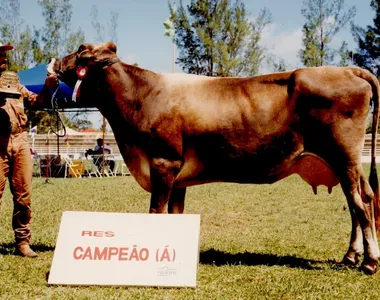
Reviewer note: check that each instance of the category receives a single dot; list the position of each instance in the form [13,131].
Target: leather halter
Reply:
[101,63]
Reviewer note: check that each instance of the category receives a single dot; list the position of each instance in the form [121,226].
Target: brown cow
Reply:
[178,130]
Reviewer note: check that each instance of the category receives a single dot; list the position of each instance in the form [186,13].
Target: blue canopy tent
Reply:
[33,79]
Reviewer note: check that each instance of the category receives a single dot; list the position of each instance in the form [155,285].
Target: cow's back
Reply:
[253,129]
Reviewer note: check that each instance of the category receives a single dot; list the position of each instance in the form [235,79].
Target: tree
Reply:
[57,39]
[37,47]
[368,51]
[275,64]
[13,31]
[74,40]
[101,37]
[217,37]
[100,28]
[57,31]
[345,55]
[325,18]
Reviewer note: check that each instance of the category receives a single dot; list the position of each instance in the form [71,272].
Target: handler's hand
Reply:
[51,82]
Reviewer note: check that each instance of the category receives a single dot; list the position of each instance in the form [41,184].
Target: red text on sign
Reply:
[111,253]
[98,233]
[165,254]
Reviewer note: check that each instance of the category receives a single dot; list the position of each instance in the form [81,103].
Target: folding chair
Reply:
[107,171]
[73,167]
[124,169]
[90,168]
[103,167]
[110,168]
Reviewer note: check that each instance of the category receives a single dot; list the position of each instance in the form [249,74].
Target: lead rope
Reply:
[81,73]
[55,113]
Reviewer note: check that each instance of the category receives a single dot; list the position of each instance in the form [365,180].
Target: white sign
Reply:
[96,248]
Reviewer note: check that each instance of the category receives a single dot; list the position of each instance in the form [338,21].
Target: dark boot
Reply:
[26,251]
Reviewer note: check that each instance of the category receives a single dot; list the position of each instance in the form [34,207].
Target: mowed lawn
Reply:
[275,241]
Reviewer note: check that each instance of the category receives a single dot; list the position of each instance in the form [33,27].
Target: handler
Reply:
[15,158]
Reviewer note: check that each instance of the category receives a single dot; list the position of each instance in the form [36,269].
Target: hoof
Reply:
[369,268]
[351,260]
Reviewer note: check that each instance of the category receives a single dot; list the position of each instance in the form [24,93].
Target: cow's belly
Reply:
[242,169]
[261,169]
[195,173]
[241,159]
[310,167]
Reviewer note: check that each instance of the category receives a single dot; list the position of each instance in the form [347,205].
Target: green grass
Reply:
[275,241]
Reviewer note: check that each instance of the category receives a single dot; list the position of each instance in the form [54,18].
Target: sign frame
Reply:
[126,249]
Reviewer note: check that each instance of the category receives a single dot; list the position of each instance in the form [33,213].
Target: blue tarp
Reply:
[33,79]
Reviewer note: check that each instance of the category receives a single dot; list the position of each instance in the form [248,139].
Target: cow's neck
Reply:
[128,85]
[138,82]
[128,88]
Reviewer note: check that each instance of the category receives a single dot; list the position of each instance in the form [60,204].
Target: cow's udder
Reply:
[315,171]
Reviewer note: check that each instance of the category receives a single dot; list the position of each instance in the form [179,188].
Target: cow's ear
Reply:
[111,46]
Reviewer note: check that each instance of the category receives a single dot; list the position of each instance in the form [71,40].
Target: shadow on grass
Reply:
[9,248]
[219,258]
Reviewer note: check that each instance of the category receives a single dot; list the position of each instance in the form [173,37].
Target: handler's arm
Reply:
[43,98]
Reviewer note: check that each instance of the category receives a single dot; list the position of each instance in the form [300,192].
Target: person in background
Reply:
[15,159]
[98,152]
[98,149]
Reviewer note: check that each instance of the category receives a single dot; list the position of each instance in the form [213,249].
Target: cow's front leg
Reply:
[177,201]
[162,175]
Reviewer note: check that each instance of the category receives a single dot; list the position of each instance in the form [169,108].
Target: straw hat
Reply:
[6,47]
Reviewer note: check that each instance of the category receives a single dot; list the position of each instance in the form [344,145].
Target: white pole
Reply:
[173,68]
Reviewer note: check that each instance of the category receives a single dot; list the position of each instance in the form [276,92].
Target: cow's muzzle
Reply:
[51,67]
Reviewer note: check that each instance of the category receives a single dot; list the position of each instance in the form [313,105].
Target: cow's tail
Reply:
[373,179]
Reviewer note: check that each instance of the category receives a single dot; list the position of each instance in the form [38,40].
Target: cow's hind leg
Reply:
[360,198]
[177,201]
[162,175]
[356,242]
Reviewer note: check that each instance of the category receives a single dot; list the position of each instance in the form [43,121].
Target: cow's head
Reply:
[83,69]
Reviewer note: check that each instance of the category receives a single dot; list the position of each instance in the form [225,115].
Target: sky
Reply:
[141,37]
